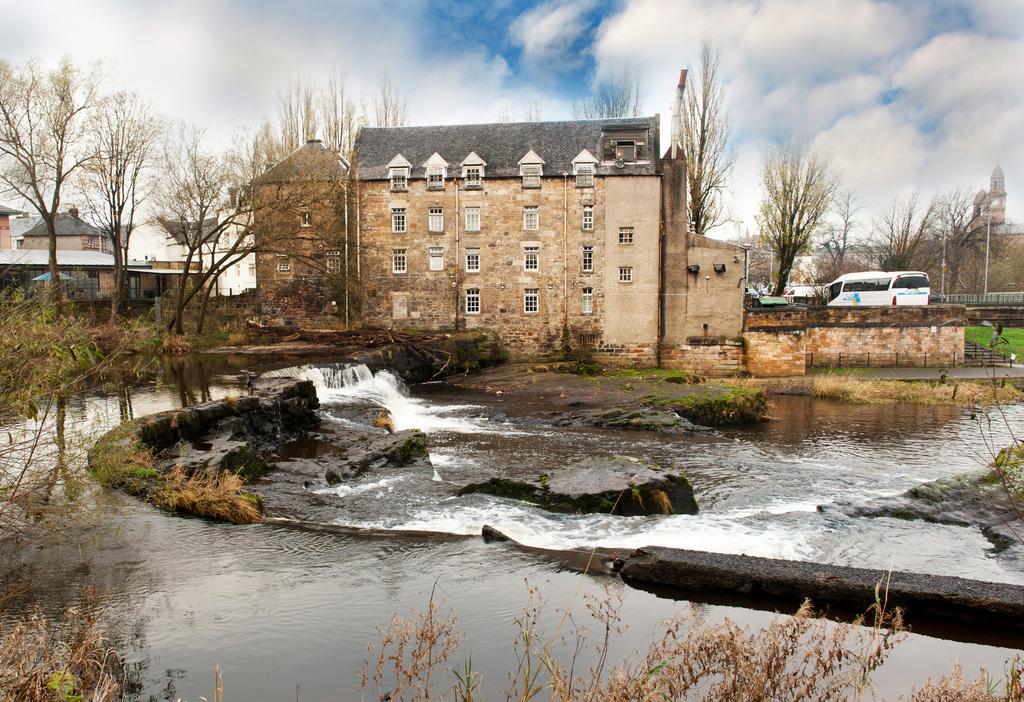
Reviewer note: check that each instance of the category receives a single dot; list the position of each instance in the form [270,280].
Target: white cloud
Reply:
[547,32]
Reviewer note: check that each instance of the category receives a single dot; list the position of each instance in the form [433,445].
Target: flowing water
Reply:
[282,608]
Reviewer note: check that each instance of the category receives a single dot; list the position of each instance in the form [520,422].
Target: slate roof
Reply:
[70,259]
[66,224]
[311,161]
[501,145]
[8,211]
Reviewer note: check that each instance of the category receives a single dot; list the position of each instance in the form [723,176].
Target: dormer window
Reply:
[585,175]
[583,167]
[436,169]
[531,168]
[435,178]
[531,173]
[473,171]
[399,179]
[398,173]
[474,176]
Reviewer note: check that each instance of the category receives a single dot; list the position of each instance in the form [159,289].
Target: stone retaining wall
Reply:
[788,341]
[715,359]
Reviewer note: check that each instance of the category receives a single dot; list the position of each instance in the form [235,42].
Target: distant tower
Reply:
[997,196]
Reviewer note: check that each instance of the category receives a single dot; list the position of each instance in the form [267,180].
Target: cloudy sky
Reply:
[902,95]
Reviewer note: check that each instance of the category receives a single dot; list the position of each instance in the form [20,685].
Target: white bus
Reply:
[877,288]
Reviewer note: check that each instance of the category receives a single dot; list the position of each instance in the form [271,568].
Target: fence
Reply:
[993,298]
[883,359]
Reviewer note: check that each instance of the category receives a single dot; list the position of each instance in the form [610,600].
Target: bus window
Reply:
[911,281]
[834,290]
[872,285]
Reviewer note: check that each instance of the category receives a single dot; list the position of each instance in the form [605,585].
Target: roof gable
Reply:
[530,157]
[310,162]
[399,161]
[473,160]
[435,161]
[584,157]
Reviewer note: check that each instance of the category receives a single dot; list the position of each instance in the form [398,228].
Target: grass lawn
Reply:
[983,336]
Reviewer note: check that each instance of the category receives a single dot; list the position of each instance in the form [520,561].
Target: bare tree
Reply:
[837,237]
[617,96]
[903,234]
[298,117]
[705,137]
[123,136]
[390,109]
[961,244]
[43,120]
[797,189]
[337,115]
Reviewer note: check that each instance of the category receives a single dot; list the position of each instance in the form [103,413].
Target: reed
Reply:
[219,497]
[864,391]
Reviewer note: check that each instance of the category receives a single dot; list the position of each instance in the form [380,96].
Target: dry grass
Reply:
[383,421]
[46,661]
[803,657]
[953,687]
[221,498]
[860,391]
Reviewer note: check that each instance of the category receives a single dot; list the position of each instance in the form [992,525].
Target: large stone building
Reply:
[541,231]
[302,230]
[990,205]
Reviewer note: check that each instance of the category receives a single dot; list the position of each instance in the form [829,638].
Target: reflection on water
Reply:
[276,607]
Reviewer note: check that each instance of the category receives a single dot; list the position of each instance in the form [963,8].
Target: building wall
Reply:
[713,360]
[714,301]
[294,284]
[5,232]
[631,309]
[426,299]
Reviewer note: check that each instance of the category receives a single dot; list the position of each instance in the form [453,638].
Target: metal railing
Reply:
[993,298]
[883,359]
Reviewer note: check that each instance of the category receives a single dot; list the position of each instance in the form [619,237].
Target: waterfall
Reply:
[340,384]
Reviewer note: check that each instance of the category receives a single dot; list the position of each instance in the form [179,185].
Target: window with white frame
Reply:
[333,262]
[283,264]
[584,175]
[531,258]
[399,179]
[531,174]
[625,274]
[436,254]
[472,260]
[399,262]
[435,178]
[398,223]
[472,300]
[588,218]
[307,219]
[625,235]
[252,269]
[587,305]
[531,218]
[435,219]
[472,219]
[531,300]
[473,176]
[588,259]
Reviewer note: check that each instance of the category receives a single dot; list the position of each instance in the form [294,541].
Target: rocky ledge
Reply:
[614,485]
[923,597]
[178,459]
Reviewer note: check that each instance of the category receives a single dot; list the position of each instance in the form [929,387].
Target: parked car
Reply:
[804,294]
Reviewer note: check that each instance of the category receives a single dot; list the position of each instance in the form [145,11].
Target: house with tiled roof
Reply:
[73,234]
[540,231]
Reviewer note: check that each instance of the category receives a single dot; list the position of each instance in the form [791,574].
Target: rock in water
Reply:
[612,485]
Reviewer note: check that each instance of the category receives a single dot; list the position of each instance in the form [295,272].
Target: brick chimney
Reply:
[73,211]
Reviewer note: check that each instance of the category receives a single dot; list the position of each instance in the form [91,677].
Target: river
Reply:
[278,607]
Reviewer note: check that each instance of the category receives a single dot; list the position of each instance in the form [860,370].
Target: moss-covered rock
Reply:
[613,485]
[715,404]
